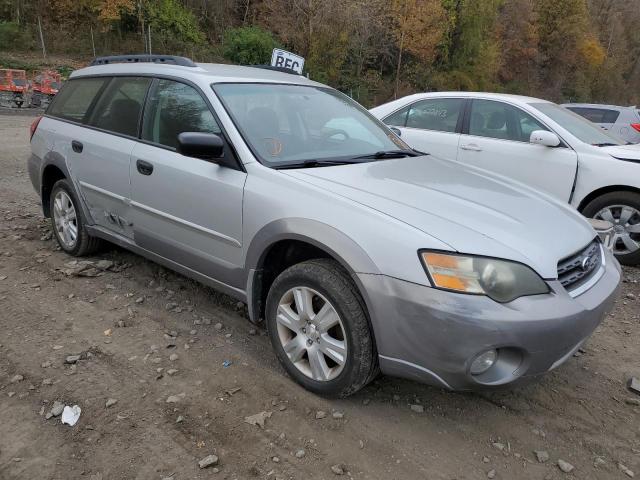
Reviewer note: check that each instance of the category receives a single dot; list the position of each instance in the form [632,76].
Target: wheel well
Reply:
[280,256]
[601,191]
[50,176]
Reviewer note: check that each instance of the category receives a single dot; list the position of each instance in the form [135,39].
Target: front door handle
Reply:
[77,146]
[471,147]
[145,168]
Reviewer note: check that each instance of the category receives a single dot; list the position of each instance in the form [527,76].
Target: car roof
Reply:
[597,105]
[481,95]
[211,72]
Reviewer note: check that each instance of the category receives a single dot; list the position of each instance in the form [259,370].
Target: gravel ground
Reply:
[169,371]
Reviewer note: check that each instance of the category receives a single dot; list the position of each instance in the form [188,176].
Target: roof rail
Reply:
[163,59]
[276,69]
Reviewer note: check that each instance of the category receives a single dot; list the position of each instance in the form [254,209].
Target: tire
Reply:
[615,200]
[84,244]
[332,284]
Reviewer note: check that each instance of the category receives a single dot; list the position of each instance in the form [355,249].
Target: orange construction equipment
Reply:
[44,87]
[13,87]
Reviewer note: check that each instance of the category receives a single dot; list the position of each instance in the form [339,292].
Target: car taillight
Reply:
[636,126]
[33,127]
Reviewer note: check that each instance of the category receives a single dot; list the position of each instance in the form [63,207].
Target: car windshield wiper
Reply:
[605,144]
[392,154]
[315,163]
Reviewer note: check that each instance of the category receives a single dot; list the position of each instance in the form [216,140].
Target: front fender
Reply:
[341,247]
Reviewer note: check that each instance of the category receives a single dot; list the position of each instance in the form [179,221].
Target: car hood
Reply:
[469,209]
[624,152]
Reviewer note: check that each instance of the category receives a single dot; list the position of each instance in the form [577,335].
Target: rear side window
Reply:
[75,99]
[440,114]
[597,115]
[120,106]
[399,118]
[174,108]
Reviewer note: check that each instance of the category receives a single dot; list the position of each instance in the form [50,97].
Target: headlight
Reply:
[501,280]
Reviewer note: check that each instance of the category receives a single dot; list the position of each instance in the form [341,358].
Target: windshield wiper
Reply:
[315,163]
[392,154]
[605,144]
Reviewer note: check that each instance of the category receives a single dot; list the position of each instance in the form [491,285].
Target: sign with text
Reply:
[283,59]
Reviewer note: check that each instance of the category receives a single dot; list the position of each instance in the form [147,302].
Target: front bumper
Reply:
[432,336]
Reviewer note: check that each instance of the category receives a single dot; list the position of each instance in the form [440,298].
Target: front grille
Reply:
[576,270]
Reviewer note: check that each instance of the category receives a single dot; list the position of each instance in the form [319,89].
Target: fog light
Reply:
[483,362]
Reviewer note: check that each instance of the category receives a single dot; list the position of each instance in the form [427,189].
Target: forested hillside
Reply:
[579,50]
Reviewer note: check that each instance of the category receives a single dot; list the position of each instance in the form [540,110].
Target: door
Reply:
[99,151]
[430,125]
[498,140]
[185,209]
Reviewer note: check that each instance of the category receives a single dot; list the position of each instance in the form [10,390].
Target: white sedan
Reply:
[535,142]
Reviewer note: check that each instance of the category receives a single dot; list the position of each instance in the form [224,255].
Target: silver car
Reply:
[624,122]
[358,253]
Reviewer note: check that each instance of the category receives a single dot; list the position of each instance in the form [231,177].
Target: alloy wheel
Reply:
[312,334]
[65,219]
[626,227]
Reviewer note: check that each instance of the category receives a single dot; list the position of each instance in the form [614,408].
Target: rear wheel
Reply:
[318,327]
[622,209]
[68,223]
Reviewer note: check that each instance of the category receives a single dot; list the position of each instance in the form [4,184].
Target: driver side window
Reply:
[499,120]
[174,108]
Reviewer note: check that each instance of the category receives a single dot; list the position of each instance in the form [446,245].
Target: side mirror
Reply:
[207,146]
[545,138]
[396,131]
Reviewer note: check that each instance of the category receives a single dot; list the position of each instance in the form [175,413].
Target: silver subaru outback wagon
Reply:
[360,254]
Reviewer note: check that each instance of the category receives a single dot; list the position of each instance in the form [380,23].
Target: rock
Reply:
[633,401]
[104,264]
[631,296]
[499,446]
[208,461]
[491,474]
[193,332]
[625,470]
[173,357]
[110,402]
[599,461]
[253,331]
[172,371]
[566,467]
[46,364]
[275,459]
[485,459]
[218,326]
[56,409]
[258,419]
[47,381]
[300,453]
[239,306]
[139,300]
[72,359]
[16,378]
[320,415]
[180,419]
[417,408]
[542,455]
[173,399]
[337,415]
[337,469]
[361,444]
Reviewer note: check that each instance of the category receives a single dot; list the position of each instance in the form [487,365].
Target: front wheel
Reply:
[622,209]
[319,329]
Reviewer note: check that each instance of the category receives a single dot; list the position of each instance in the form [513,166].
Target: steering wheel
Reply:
[333,132]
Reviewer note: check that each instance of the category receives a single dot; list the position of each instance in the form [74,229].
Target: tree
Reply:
[419,27]
[248,45]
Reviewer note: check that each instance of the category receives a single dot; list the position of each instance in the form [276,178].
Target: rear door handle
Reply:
[145,168]
[77,146]
[471,147]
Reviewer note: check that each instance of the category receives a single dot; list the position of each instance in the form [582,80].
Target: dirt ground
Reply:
[145,334]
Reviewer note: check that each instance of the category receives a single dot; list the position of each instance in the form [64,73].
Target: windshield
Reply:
[578,126]
[290,124]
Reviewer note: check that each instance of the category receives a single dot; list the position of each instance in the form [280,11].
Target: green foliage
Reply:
[249,45]
[12,36]
[171,20]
